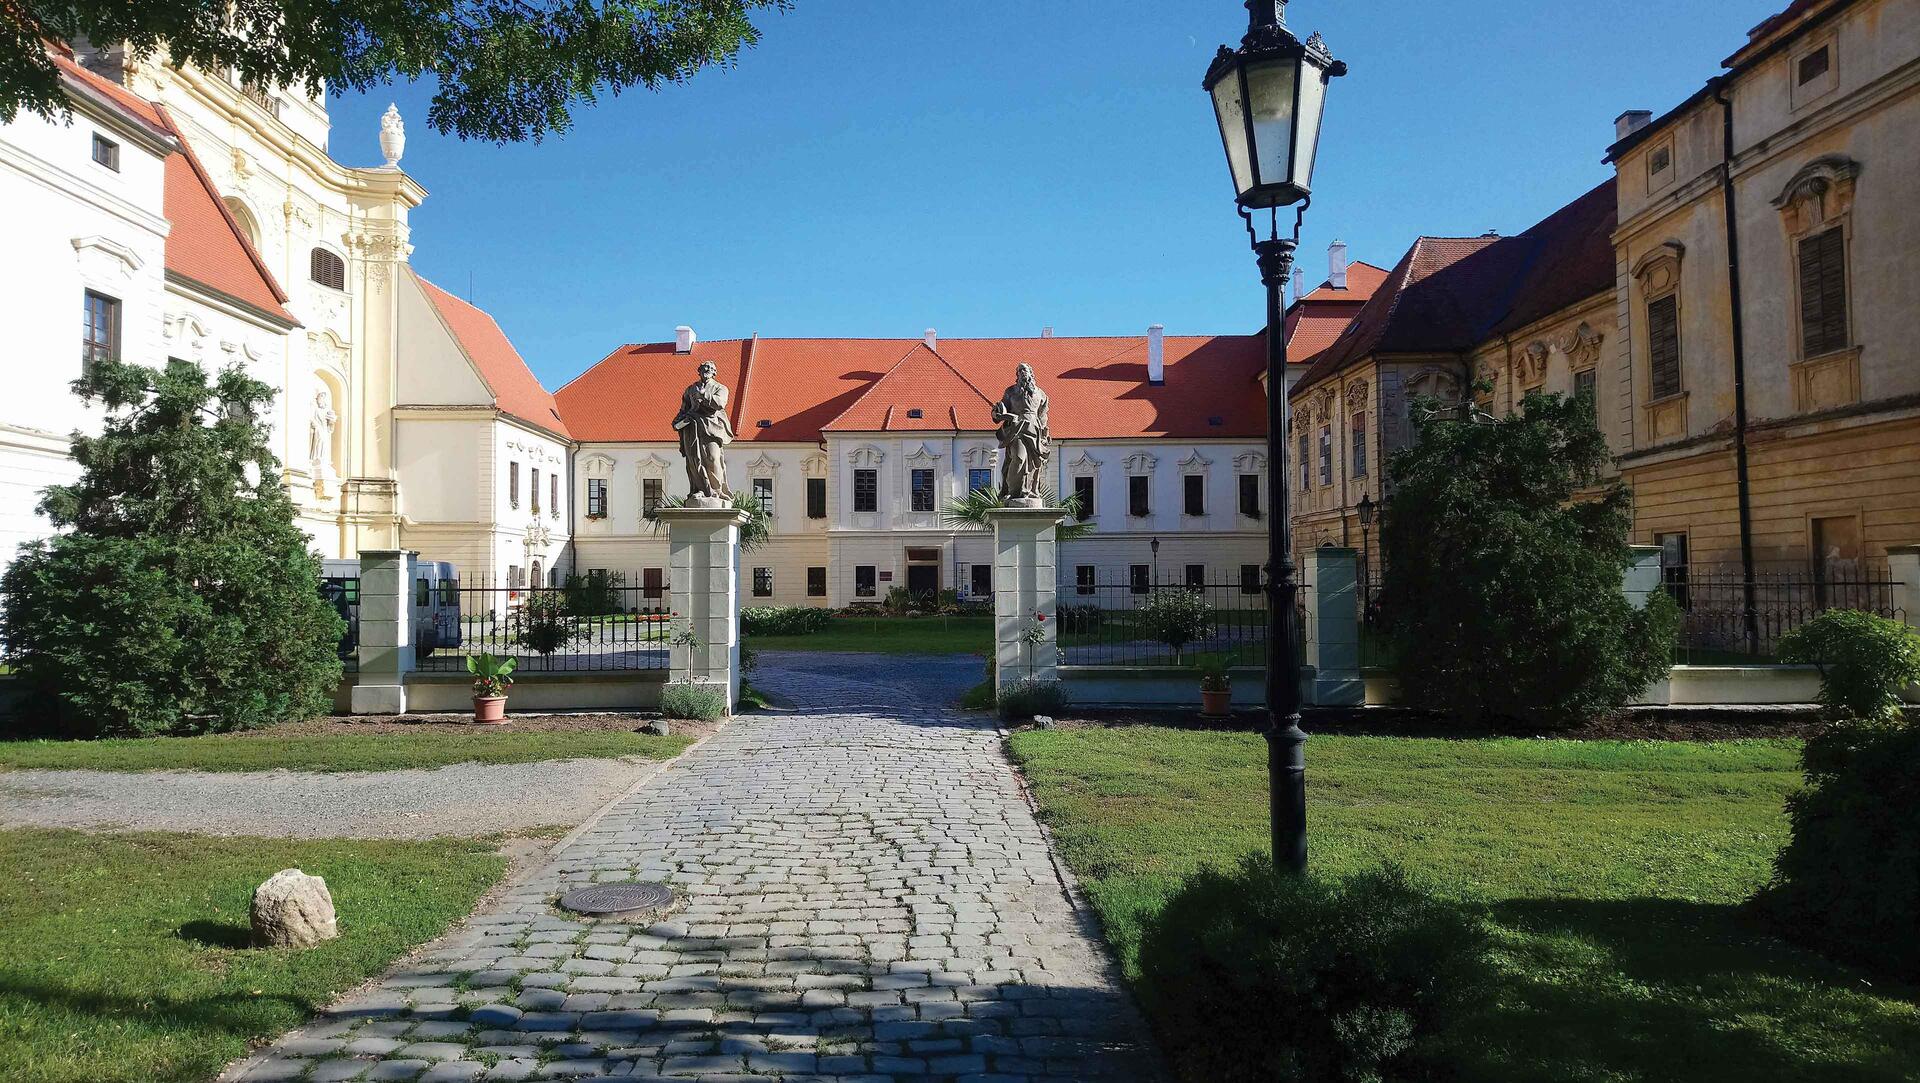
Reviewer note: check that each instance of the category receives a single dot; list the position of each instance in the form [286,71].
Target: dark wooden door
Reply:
[923,579]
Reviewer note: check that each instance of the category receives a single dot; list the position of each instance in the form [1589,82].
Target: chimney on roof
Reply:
[1630,122]
[1046,332]
[933,339]
[1299,282]
[683,339]
[1337,265]
[1157,354]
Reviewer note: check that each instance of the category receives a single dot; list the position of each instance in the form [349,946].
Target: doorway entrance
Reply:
[923,572]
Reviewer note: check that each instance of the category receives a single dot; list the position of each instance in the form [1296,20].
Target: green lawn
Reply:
[1611,871]
[345,751]
[122,957]
[890,635]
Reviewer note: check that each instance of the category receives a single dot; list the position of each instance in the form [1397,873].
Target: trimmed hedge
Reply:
[784,620]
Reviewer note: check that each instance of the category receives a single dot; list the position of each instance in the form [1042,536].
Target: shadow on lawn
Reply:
[216,934]
[1663,989]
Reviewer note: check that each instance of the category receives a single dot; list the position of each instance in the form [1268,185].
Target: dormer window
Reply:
[763,423]
[916,412]
[327,269]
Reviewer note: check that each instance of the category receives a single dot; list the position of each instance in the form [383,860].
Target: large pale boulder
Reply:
[292,910]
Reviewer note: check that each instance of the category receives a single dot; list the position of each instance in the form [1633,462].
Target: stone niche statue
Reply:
[1026,444]
[704,432]
[320,441]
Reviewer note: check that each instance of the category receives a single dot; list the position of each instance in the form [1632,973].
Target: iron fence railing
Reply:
[343,593]
[589,625]
[1137,623]
[1718,625]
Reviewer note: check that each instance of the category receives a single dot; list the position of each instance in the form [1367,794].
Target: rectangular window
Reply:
[652,495]
[982,580]
[513,485]
[553,493]
[1658,160]
[979,480]
[763,582]
[1194,489]
[1306,464]
[99,331]
[1673,566]
[1587,382]
[1083,496]
[1663,346]
[596,498]
[1249,578]
[863,581]
[1196,575]
[816,498]
[1823,294]
[422,592]
[1083,579]
[1815,64]
[535,490]
[922,490]
[1138,504]
[1326,455]
[1250,495]
[653,583]
[1139,577]
[513,576]
[1359,431]
[763,494]
[106,152]
[866,490]
[816,582]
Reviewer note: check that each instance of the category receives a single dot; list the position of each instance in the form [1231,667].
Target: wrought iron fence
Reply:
[1145,623]
[343,593]
[591,625]
[1718,625]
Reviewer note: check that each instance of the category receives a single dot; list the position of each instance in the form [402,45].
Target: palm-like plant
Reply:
[757,529]
[970,512]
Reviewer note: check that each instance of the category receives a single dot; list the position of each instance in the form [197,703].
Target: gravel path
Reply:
[462,799]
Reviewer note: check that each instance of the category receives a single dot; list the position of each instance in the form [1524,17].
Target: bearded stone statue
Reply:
[704,433]
[1026,444]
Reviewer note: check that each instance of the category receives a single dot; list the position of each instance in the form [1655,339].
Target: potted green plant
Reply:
[1216,688]
[492,676]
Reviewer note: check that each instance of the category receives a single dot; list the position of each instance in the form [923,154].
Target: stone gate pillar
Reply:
[1024,582]
[1903,567]
[1332,595]
[386,631]
[704,568]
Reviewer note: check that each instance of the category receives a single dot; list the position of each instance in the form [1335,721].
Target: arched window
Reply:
[244,218]
[328,269]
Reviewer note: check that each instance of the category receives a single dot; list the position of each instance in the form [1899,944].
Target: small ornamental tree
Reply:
[1866,662]
[1176,616]
[179,597]
[1505,552]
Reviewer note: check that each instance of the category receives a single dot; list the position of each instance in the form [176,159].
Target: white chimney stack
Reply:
[683,339]
[1299,282]
[1337,264]
[1630,122]
[1046,332]
[1157,354]
[933,339]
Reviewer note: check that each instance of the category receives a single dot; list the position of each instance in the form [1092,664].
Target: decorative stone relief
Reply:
[1195,463]
[597,465]
[102,258]
[866,455]
[653,466]
[765,466]
[1531,363]
[1141,463]
[187,337]
[1821,193]
[1659,270]
[982,457]
[1581,346]
[924,456]
[814,466]
[326,350]
[1356,396]
[1250,462]
[1323,401]
[1085,464]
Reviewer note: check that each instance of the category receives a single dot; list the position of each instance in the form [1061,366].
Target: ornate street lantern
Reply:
[1268,96]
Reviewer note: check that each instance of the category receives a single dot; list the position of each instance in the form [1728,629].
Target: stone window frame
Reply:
[1250,464]
[1195,465]
[1658,179]
[1817,199]
[1657,276]
[1803,94]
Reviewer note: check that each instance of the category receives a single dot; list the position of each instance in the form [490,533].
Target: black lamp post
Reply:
[1268,96]
[1155,546]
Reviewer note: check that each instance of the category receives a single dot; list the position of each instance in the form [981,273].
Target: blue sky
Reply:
[992,167]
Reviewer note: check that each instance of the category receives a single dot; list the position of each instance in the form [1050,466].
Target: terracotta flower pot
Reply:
[490,710]
[1216,704]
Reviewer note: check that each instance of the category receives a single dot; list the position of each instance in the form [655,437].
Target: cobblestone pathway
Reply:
[866,897]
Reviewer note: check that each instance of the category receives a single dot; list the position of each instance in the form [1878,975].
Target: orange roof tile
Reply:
[1098,386]
[920,394]
[515,390]
[206,245]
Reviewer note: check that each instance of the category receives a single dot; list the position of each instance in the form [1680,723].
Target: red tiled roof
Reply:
[1098,386]
[923,384]
[204,243]
[514,389]
[1315,321]
[1362,279]
[1449,294]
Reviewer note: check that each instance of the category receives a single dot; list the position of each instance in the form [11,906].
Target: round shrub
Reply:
[1175,616]
[693,700]
[1865,661]
[1257,976]
[1848,883]
[1022,701]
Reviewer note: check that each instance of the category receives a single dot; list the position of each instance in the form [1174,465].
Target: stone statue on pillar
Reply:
[1026,444]
[704,433]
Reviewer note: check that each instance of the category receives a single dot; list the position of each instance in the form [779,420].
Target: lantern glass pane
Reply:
[1233,129]
[1270,86]
[1313,100]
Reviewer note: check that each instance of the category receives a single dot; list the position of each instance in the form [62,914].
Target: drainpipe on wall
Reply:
[1742,483]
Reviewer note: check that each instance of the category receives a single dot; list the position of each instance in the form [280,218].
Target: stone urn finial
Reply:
[393,135]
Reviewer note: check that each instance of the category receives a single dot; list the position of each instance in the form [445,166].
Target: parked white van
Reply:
[436,602]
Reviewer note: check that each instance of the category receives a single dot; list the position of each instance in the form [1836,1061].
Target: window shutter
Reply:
[1663,346]
[1823,294]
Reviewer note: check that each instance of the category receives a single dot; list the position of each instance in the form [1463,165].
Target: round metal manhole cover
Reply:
[614,900]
